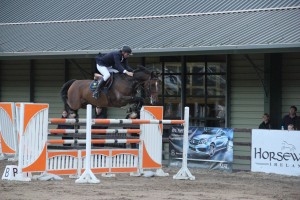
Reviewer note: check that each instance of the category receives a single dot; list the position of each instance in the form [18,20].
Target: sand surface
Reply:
[209,184]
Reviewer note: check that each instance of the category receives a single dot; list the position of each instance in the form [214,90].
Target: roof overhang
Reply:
[275,48]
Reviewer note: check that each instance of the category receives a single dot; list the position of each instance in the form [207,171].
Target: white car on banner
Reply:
[209,147]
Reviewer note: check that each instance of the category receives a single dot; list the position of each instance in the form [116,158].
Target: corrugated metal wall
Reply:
[246,105]
[290,82]
[80,69]
[15,81]
[247,93]
[48,78]
[242,149]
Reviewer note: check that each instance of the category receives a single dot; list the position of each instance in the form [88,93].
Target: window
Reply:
[205,89]
[206,92]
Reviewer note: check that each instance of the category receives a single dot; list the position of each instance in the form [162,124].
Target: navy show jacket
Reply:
[115,60]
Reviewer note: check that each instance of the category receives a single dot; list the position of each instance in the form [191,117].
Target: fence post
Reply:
[88,176]
[184,172]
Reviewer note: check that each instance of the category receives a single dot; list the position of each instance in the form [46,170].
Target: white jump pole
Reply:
[184,172]
[88,176]
[20,176]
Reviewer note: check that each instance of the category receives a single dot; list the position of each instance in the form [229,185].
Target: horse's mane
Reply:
[139,74]
[141,68]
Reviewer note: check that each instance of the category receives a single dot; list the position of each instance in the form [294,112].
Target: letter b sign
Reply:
[10,172]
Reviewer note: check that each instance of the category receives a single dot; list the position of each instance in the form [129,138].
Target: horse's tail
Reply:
[64,93]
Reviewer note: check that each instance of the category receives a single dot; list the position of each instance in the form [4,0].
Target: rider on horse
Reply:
[116,60]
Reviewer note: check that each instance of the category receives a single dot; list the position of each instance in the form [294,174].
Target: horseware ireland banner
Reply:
[276,151]
[207,147]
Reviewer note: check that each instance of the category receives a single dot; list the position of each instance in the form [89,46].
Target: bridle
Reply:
[148,87]
[151,89]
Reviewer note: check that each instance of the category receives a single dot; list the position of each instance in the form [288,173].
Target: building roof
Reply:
[37,27]
[60,10]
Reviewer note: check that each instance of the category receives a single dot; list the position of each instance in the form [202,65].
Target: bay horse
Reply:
[77,94]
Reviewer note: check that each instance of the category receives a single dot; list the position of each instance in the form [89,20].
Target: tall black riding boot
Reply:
[97,91]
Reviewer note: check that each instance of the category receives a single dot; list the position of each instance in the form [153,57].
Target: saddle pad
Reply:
[105,88]
[93,85]
[112,70]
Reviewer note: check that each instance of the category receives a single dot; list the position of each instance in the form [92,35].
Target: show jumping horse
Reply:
[77,94]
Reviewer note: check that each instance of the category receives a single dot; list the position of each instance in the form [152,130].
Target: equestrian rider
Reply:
[116,60]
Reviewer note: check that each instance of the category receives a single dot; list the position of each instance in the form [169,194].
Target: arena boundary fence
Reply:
[34,156]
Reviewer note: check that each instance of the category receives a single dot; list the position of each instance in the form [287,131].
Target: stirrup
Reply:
[98,89]
[96,94]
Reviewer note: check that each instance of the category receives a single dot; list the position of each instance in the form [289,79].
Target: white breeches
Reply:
[104,71]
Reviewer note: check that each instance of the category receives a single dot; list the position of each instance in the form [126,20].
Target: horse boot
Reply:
[97,90]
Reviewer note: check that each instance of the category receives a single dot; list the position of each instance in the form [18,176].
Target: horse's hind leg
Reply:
[73,111]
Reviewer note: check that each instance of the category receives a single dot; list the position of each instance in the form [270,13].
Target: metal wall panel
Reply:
[48,79]
[247,93]
[80,69]
[94,9]
[213,32]
[290,82]
[15,81]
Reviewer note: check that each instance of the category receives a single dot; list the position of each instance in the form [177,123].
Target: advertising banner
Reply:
[276,151]
[210,148]
[0,144]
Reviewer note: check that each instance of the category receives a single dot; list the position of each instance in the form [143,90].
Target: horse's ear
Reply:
[155,74]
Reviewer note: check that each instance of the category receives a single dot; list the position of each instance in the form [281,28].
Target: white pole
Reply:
[184,172]
[88,137]
[15,132]
[20,165]
[20,176]
[185,136]
[88,176]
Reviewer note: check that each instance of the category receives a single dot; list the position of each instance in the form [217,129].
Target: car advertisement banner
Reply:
[208,147]
[276,151]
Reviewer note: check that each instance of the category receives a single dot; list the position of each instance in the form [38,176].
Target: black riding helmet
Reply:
[126,49]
